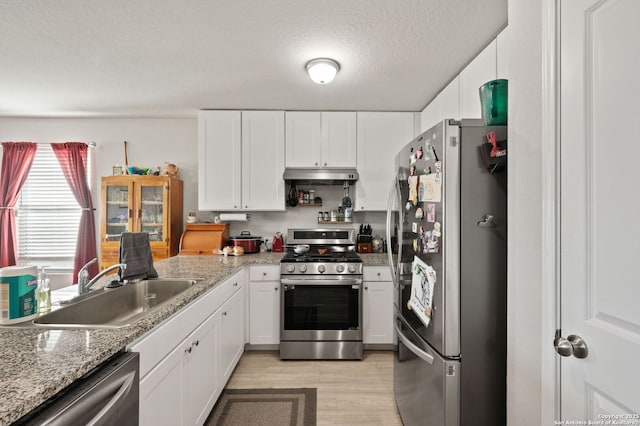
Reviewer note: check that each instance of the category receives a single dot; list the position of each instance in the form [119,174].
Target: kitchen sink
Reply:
[115,308]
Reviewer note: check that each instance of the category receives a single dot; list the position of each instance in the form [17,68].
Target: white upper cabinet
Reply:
[445,105]
[241,160]
[219,160]
[262,160]
[338,148]
[320,139]
[380,137]
[481,70]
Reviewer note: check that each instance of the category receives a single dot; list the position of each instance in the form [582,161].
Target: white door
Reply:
[600,200]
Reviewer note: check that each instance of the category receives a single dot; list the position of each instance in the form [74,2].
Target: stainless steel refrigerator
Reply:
[447,241]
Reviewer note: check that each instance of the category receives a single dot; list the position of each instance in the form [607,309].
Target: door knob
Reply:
[572,345]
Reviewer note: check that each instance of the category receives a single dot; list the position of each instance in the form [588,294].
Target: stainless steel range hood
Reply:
[320,176]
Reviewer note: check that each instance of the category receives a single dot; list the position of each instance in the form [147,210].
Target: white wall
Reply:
[151,142]
[523,44]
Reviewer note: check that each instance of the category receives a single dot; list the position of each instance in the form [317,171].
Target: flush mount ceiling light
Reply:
[322,70]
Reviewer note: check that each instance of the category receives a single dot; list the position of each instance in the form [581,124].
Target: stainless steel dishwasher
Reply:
[107,395]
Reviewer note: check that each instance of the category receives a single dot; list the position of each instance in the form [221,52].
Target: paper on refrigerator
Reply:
[422,284]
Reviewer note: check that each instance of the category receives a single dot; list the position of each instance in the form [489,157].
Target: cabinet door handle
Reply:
[235,284]
[325,164]
[130,213]
[224,314]
[275,288]
[264,274]
[188,350]
[366,288]
[196,343]
[378,273]
[316,164]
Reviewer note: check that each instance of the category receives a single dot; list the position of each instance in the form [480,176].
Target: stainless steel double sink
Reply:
[115,308]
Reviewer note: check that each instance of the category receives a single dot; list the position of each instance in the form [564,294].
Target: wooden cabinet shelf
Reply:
[333,222]
[310,205]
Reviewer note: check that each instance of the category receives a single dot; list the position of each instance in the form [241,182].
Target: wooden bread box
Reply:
[200,239]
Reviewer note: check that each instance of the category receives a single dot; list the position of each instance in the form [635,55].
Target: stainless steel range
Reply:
[321,315]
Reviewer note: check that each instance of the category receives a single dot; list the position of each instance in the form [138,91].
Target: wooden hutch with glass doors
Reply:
[140,203]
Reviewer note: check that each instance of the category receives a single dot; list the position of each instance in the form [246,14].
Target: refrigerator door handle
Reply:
[392,193]
[413,348]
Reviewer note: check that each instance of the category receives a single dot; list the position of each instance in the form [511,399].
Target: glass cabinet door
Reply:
[152,214]
[118,213]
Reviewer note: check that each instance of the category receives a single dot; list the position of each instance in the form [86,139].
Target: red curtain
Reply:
[17,158]
[72,157]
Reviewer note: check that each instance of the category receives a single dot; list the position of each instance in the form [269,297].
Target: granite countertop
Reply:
[38,362]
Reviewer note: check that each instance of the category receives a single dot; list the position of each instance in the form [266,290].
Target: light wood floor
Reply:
[349,392]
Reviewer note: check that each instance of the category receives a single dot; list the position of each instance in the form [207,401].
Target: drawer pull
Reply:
[235,284]
[275,288]
[224,314]
[196,343]
[188,350]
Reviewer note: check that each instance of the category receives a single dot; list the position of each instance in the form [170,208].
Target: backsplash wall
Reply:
[266,224]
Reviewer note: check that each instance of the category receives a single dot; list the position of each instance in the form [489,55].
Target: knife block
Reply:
[364,247]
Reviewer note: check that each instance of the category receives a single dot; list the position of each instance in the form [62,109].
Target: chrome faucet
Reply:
[83,273]
[84,286]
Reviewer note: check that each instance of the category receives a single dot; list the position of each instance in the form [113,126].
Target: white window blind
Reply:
[47,213]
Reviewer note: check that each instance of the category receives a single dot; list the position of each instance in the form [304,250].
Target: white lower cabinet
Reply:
[186,361]
[377,306]
[162,393]
[231,344]
[264,305]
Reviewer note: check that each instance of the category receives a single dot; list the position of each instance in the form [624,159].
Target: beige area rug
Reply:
[265,407]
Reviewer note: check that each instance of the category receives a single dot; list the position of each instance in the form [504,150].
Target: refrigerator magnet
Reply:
[434,153]
[419,211]
[416,246]
[408,206]
[413,158]
[413,189]
[422,284]
[438,166]
[436,229]
[412,170]
[431,212]
[419,153]
[420,190]
[427,155]
[414,227]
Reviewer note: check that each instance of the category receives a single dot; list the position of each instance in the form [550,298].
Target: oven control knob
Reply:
[339,268]
[352,268]
[303,268]
[291,268]
[321,268]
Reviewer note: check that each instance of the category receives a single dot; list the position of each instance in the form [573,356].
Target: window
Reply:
[47,214]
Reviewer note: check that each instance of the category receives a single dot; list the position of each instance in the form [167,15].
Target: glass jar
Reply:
[334,215]
[327,218]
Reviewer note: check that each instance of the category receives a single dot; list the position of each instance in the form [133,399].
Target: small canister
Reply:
[327,218]
[320,216]
[348,214]
[334,215]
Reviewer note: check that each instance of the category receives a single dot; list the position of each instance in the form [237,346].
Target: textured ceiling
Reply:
[170,58]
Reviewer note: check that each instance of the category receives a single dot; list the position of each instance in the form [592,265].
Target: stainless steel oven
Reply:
[321,316]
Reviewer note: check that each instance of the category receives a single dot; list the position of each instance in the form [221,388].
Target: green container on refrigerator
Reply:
[494,101]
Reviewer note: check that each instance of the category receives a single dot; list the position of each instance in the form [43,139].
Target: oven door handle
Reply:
[323,281]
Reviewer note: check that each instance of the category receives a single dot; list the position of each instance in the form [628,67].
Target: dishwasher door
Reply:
[106,396]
